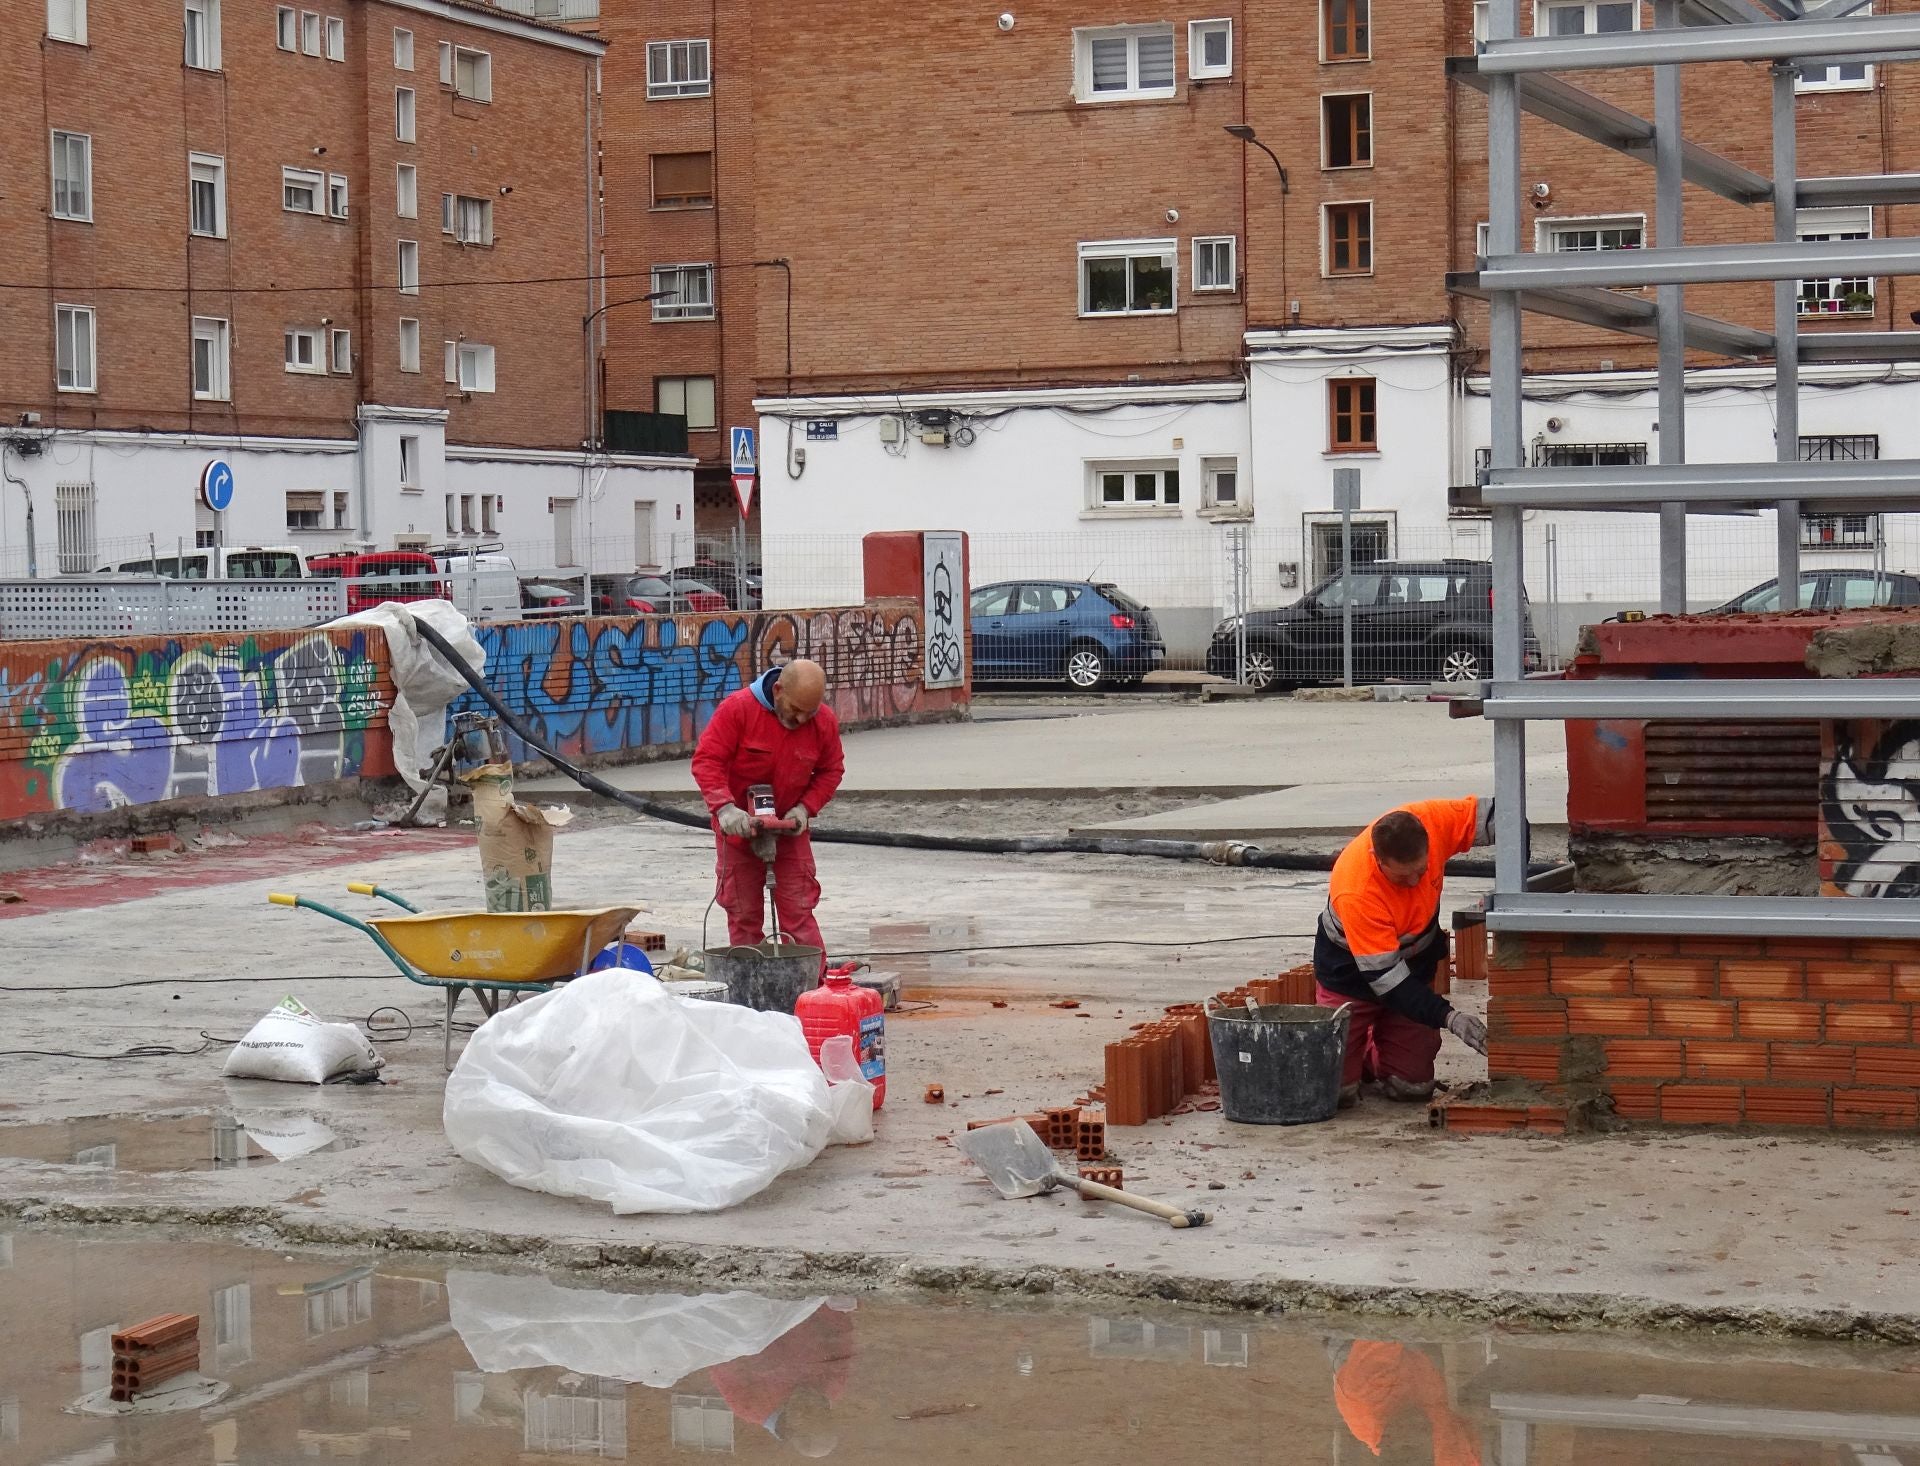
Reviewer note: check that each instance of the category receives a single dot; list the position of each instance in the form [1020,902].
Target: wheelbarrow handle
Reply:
[282,898]
[368,888]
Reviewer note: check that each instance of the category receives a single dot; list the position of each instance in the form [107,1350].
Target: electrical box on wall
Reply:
[891,430]
[1289,574]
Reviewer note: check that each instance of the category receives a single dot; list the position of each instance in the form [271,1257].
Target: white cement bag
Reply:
[610,1089]
[295,1044]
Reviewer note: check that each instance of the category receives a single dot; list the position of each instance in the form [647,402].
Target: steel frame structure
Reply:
[1516,74]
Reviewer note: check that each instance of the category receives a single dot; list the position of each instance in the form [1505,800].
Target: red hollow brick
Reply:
[1894,1066]
[1719,948]
[1673,977]
[1529,981]
[1879,1109]
[1879,949]
[1767,978]
[1625,1016]
[1595,977]
[1818,1063]
[1810,949]
[1692,1018]
[1710,1059]
[1779,1020]
[1870,1023]
[1906,982]
[165,1328]
[1526,1017]
[1634,1099]
[1700,1104]
[1536,1059]
[1782,1104]
[1644,1058]
[1859,981]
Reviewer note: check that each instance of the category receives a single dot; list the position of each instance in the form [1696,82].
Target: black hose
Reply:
[1213,852]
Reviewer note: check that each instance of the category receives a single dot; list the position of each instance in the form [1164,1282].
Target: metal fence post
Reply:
[1346,495]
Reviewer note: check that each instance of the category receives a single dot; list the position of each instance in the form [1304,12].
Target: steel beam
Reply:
[1848,486]
[1858,345]
[1703,264]
[1548,698]
[1633,315]
[1669,198]
[1811,40]
[1751,916]
[1786,331]
[1866,190]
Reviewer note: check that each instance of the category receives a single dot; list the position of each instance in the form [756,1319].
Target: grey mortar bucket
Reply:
[769,976]
[1278,1064]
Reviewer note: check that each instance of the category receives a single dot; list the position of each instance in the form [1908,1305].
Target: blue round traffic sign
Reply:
[216,485]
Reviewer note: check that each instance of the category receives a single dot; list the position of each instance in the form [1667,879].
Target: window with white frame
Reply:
[472,220]
[67,21]
[1585,17]
[73,348]
[303,191]
[342,519]
[336,38]
[73,506]
[409,344]
[1482,23]
[306,509]
[446,63]
[207,195]
[1848,76]
[453,363]
[689,292]
[310,32]
[473,74]
[286,28]
[476,368]
[1150,484]
[679,69]
[488,503]
[409,462]
[406,191]
[1221,479]
[303,350]
[1587,236]
[403,122]
[73,176]
[211,348]
[402,49]
[337,195]
[453,526]
[1127,277]
[688,397]
[203,34]
[466,514]
[1123,63]
[408,280]
[1209,49]
[1845,295]
[340,351]
[1213,264]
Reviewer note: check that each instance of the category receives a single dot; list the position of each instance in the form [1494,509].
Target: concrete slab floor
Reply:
[1371,1211]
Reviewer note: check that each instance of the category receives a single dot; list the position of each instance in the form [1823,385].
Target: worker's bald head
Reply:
[798,693]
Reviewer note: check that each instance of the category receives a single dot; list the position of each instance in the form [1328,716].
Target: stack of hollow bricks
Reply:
[154,1352]
[1714,1030]
[1082,1131]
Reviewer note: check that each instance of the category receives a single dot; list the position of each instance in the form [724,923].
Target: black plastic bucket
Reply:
[1279,1064]
[769,976]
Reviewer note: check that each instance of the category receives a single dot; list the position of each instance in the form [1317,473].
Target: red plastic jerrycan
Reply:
[839,1007]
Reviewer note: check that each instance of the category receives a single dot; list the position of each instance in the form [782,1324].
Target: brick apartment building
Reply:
[274,236]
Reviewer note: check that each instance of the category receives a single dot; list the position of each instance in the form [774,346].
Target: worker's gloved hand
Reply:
[735,821]
[1468,1029]
[801,819]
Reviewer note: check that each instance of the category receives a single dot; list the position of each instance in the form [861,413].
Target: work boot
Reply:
[1349,1096]
[1406,1090]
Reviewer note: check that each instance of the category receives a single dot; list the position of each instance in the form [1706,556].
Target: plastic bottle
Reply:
[838,1007]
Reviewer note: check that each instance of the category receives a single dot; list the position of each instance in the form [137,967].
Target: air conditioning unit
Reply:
[891,429]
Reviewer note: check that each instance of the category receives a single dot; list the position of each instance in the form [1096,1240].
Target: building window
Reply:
[688,397]
[73,351]
[1839,531]
[1149,485]
[1586,17]
[302,192]
[337,195]
[1482,25]
[340,352]
[487,505]
[1842,448]
[1852,76]
[452,527]
[1347,131]
[336,38]
[1349,243]
[409,344]
[1209,49]
[306,509]
[1221,477]
[73,518]
[683,180]
[690,292]
[410,462]
[453,363]
[476,368]
[1346,33]
[678,69]
[1848,295]
[287,28]
[1351,426]
[73,176]
[1589,455]
[303,350]
[1585,236]
[403,114]
[203,34]
[1123,63]
[67,21]
[211,340]
[342,513]
[1127,278]
[310,32]
[402,49]
[406,191]
[409,280]
[466,514]
[207,195]
[1213,264]
[472,220]
[472,75]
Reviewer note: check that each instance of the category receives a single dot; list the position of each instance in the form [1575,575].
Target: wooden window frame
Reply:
[1328,212]
[1358,129]
[1359,414]
[1338,43]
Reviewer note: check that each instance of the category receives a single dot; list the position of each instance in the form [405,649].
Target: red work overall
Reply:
[744,745]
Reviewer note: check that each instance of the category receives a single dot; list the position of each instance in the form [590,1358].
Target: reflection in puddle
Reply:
[224,1141]
[403,1362]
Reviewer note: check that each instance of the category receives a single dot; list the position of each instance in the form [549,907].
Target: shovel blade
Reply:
[1015,1159]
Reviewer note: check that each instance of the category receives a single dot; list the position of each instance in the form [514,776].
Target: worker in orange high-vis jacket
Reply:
[1379,944]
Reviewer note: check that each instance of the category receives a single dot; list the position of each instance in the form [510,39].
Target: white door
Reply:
[643,532]
[563,531]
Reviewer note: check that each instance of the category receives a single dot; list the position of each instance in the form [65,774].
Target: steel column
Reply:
[1786,330]
[1668,144]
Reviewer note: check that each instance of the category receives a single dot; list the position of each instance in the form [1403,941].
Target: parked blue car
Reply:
[1088,634]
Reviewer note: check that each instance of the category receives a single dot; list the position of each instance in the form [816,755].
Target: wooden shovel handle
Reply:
[1173,1215]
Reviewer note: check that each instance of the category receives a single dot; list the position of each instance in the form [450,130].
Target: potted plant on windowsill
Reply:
[1857,302]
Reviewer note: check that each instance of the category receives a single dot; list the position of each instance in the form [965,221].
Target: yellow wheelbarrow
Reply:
[488,953]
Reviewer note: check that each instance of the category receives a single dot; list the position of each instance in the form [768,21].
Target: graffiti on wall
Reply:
[90,726]
[601,686]
[1870,809]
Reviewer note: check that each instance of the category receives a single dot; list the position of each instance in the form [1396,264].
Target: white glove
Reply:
[735,821]
[798,814]
[1468,1029]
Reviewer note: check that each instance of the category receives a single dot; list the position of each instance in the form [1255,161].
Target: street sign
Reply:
[743,491]
[1346,490]
[216,485]
[823,430]
[745,459]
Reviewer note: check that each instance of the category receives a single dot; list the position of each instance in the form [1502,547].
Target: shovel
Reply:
[1019,1164]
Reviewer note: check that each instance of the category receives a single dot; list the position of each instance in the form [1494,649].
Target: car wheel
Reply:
[1463,662]
[1262,669]
[1086,666]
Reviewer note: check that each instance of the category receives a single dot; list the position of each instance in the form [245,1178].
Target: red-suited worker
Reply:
[772,731]
[790,1388]
[1394,1400]
[1380,944]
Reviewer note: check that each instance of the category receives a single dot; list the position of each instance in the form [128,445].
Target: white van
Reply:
[237,562]
[481,581]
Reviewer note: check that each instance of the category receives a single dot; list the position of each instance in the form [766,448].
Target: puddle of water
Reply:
[221,1141]
[403,1361]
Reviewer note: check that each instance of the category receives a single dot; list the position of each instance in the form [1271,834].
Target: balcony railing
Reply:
[553,9]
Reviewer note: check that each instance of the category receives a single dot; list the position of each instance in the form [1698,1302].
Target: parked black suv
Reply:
[1412,619]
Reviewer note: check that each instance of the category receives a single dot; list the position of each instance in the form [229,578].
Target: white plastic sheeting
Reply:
[612,1089]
